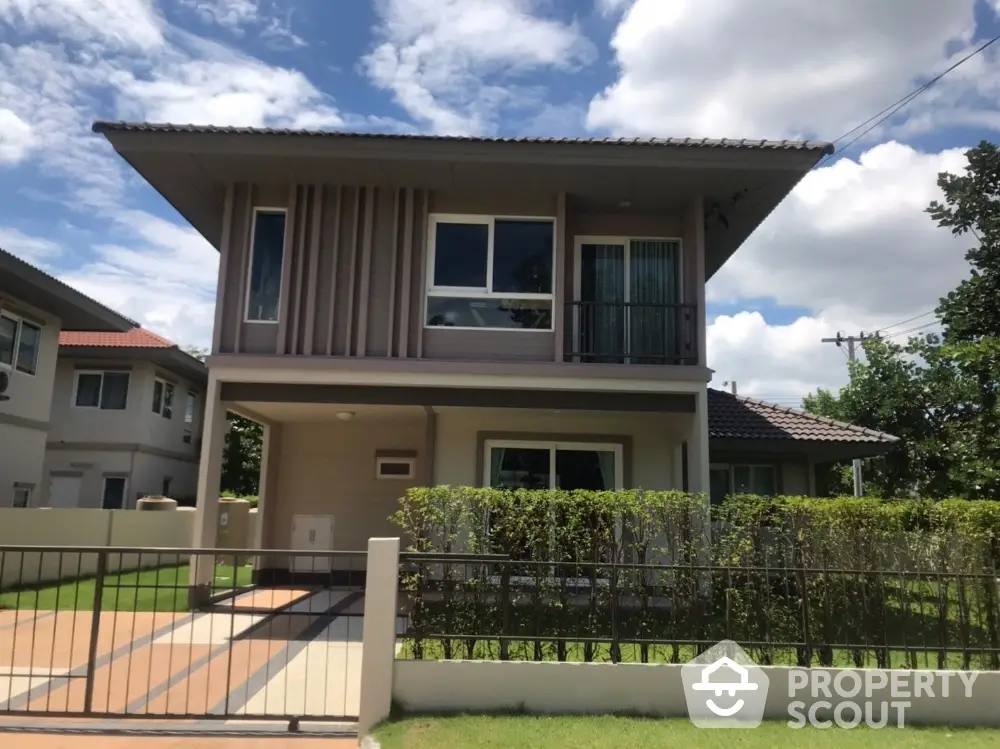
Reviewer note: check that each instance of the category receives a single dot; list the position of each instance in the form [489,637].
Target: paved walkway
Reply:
[64,741]
[295,654]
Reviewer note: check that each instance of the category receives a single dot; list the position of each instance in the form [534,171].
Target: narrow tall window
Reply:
[266,259]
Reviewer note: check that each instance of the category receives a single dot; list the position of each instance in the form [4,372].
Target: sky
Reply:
[850,250]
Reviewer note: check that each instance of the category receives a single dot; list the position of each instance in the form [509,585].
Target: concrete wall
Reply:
[655,690]
[150,470]
[329,469]
[31,395]
[83,527]
[22,456]
[91,466]
[137,423]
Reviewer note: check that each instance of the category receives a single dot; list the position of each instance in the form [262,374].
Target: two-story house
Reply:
[401,310]
[126,420]
[34,308]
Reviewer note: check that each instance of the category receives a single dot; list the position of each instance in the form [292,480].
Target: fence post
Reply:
[95,630]
[378,651]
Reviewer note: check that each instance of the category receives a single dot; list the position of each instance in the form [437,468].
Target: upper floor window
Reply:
[190,408]
[267,254]
[105,390]
[19,343]
[163,398]
[487,272]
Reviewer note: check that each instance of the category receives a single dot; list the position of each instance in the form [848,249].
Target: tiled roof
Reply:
[135,338]
[739,417]
[102,126]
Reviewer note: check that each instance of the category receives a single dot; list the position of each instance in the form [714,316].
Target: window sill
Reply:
[489,330]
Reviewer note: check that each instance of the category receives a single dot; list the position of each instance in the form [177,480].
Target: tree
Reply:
[241,459]
[939,394]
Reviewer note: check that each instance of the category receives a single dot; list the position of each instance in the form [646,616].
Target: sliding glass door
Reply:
[628,290]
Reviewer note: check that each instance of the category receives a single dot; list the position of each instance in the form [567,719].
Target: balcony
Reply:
[631,333]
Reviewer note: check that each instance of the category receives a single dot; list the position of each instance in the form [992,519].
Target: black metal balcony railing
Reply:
[631,333]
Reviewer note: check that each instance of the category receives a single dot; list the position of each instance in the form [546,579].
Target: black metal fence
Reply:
[631,332]
[180,633]
[494,608]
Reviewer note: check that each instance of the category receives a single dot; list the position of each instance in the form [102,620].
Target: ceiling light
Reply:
[625,204]
[345,415]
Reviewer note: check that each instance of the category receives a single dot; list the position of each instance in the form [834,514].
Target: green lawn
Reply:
[604,732]
[161,589]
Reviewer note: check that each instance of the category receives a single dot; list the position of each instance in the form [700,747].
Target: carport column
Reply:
[206,521]
[698,458]
[378,651]
[266,482]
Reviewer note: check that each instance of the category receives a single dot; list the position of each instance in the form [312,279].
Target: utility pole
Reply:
[851,340]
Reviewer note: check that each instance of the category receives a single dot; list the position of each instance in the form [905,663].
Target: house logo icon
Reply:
[724,688]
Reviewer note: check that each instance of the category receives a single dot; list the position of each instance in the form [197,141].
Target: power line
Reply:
[911,330]
[892,109]
[903,322]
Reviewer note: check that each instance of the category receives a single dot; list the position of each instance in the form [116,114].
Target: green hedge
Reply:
[854,582]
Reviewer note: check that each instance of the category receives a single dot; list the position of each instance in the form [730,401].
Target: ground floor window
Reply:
[742,478]
[550,465]
[22,495]
[114,493]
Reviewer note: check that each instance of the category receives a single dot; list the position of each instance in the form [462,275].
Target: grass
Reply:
[160,589]
[606,732]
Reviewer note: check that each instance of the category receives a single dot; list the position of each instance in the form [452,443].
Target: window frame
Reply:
[15,359]
[28,489]
[554,446]
[100,390]
[618,448]
[257,209]
[165,385]
[731,469]
[104,489]
[476,292]
[409,476]
[192,399]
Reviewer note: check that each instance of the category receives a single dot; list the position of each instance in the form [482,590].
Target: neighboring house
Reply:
[404,310]
[34,307]
[126,420]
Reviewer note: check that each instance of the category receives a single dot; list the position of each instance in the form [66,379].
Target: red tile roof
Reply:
[135,338]
[738,417]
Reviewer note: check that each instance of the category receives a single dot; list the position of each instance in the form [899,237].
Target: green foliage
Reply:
[940,396]
[633,575]
[241,462]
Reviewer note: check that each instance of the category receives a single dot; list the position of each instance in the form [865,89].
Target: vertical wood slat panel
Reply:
[225,254]
[422,288]
[352,274]
[406,275]
[366,270]
[244,283]
[558,273]
[333,273]
[298,296]
[393,270]
[313,281]
[284,307]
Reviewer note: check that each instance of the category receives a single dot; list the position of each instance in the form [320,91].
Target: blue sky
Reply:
[850,249]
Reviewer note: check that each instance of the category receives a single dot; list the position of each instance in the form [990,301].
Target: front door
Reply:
[628,292]
[64,491]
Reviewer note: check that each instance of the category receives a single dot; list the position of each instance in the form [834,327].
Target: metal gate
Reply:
[180,633]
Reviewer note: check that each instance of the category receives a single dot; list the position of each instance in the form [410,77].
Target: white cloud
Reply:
[232,14]
[447,61]
[16,137]
[36,250]
[125,24]
[611,7]
[854,245]
[783,68]
[278,34]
